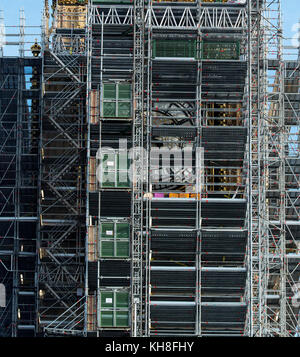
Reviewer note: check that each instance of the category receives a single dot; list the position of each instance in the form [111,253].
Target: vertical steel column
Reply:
[138,171]
[148,171]
[101,101]
[17,201]
[276,140]
[257,206]
[44,45]
[22,33]
[88,41]
[198,153]
[282,178]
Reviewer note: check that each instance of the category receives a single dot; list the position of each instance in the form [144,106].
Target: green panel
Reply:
[121,161]
[122,249]
[123,175]
[111,167]
[107,249]
[109,109]
[154,45]
[160,48]
[174,48]
[122,300]
[110,301]
[107,230]
[108,162]
[221,50]
[123,179]
[108,179]
[108,168]
[107,299]
[122,318]
[113,105]
[109,91]
[107,319]
[124,91]
[122,230]
[124,109]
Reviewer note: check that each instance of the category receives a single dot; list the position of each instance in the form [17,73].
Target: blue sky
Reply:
[33,9]
[291,16]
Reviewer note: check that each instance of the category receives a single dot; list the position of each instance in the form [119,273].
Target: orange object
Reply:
[193,195]
[184,195]
[173,195]
[94,107]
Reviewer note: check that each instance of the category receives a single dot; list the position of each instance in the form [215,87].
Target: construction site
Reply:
[149,171]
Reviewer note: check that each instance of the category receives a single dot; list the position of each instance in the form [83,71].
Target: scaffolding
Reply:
[208,253]
[20,116]
[62,179]
[168,187]
[20,125]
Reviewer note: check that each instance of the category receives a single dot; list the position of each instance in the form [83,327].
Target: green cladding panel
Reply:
[107,319]
[124,91]
[122,230]
[107,299]
[114,241]
[122,319]
[110,91]
[124,110]
[108,172]
[109,160]
[188,49]
[175,48]
[123,179]
[108,179]
[114,309]
[115,171]
[107,230]
[109,109]
[117,100]
[122,300]
[221,50]
[107,249]
[122,249]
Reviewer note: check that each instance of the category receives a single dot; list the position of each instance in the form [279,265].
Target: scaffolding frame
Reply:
[174,25]
[20,117]
[62,196]
[138,183]
[274,268]
[237,267]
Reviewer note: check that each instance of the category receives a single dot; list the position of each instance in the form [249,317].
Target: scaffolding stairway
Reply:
[62,201]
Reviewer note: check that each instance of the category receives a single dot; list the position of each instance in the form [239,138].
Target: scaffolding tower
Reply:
[20,125]
[205,253]
[167,189]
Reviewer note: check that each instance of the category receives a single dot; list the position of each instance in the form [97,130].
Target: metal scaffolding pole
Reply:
[199,174]
[205,76]
[257,200]
[138,171]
